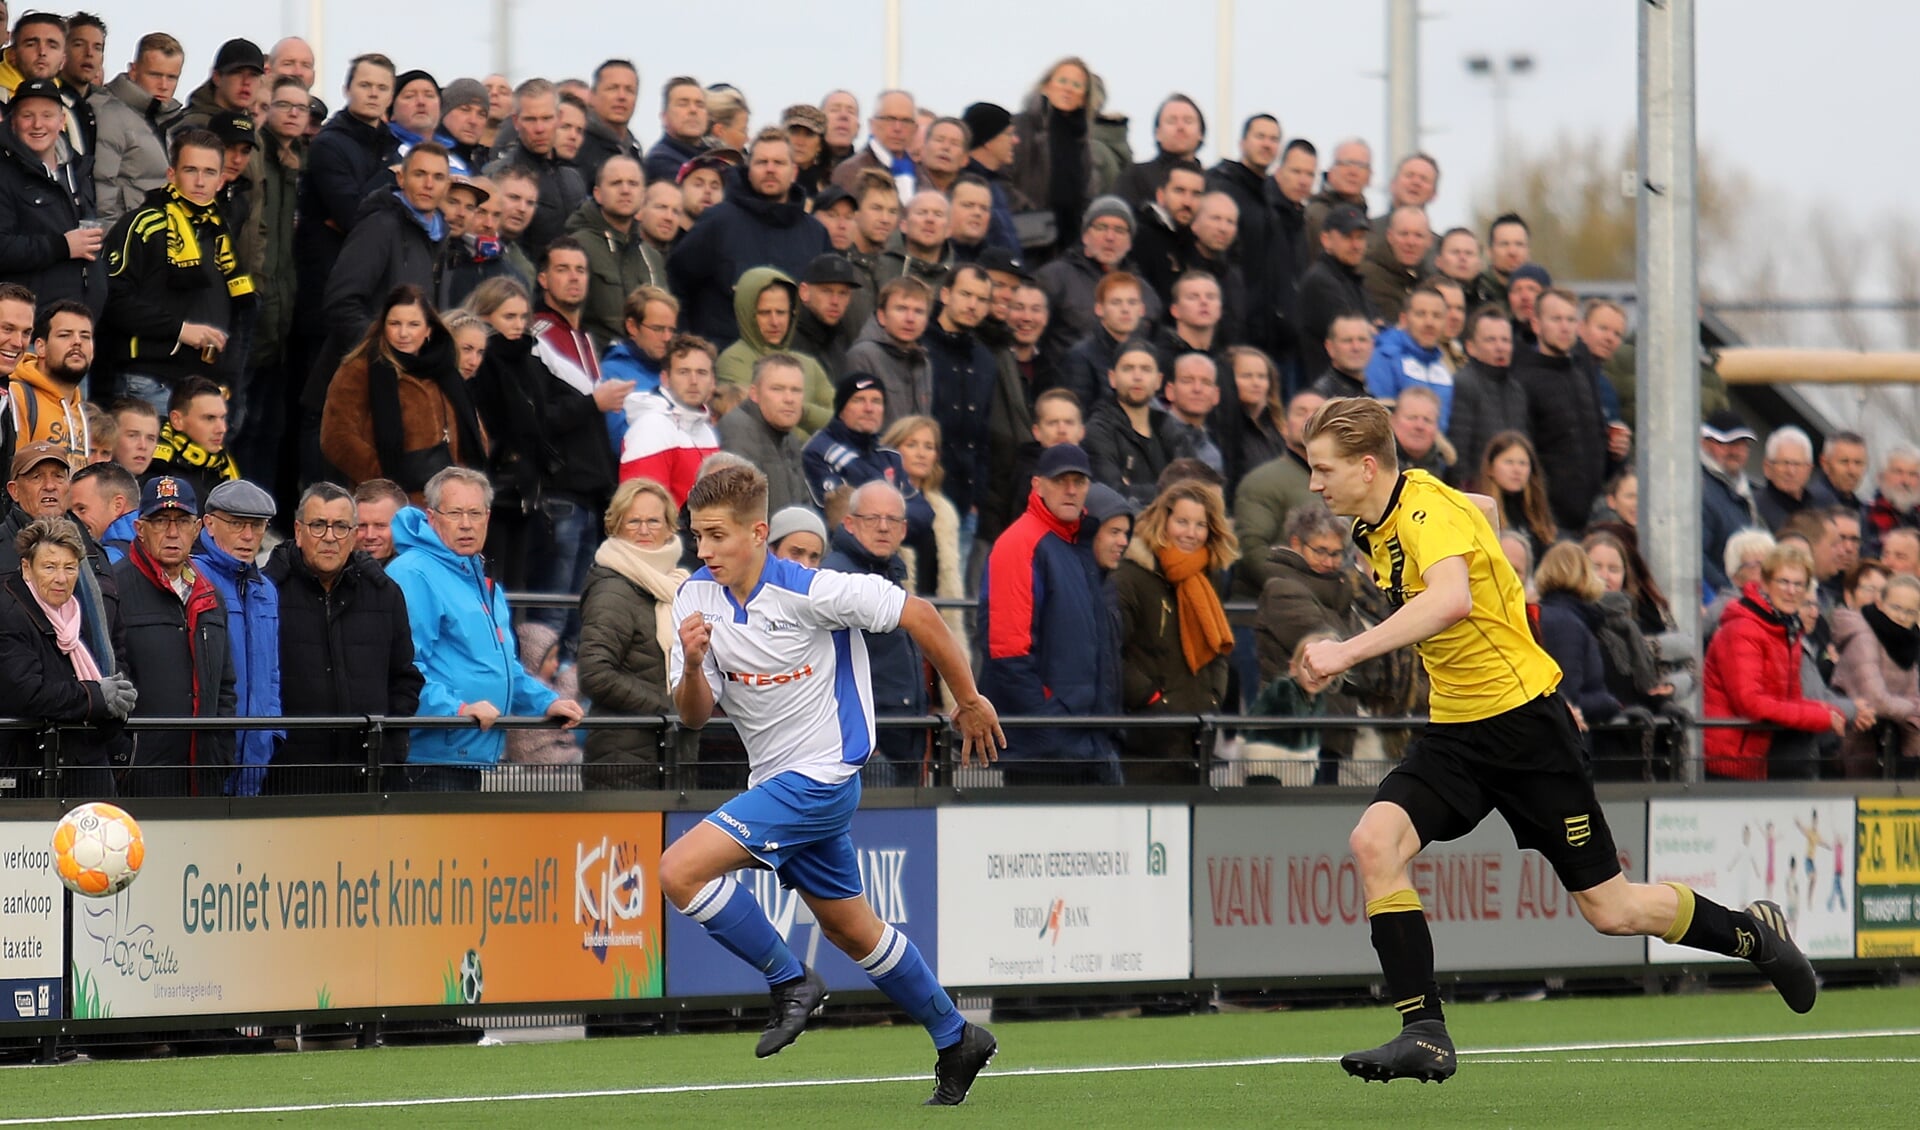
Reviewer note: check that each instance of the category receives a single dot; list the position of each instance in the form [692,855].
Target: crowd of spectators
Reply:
[292,390]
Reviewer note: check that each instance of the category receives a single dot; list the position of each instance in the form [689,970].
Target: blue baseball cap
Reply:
[165,492]
[1063,459]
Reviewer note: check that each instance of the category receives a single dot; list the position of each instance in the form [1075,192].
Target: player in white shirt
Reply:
[780,646]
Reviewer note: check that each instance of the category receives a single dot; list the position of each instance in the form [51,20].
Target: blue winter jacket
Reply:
[119,536]
[253,638]
[899,675]
[625,362]
[1052,640]
[463,644]
[1398,361]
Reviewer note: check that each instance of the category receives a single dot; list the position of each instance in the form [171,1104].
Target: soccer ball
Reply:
[471,984]
[97,850]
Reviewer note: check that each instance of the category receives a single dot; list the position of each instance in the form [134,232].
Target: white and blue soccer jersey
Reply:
[790,666]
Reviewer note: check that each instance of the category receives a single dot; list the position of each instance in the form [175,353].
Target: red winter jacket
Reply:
[1753,672]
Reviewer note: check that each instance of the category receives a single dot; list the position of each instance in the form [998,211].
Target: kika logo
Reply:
[1156,851]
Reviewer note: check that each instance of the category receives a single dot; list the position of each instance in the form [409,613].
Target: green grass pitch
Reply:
[1684,1061]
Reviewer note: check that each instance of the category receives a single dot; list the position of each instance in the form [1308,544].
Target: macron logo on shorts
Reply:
[746,833]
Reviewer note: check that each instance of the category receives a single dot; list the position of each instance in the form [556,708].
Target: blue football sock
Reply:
[736,921]
[898,969]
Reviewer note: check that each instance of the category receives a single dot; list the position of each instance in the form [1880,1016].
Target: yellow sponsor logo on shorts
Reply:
[1579,829]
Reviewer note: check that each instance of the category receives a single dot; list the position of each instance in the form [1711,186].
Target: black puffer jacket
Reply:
[348,160]
[37,682]
[1486,402]
[36,213]
[743,231]
[1328,289]
[353,654]
[1123,458]
[1568,427]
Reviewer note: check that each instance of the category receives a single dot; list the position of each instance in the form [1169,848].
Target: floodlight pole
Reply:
[1403,79]
[1668,348]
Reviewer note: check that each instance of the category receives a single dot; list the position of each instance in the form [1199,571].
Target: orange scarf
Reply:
[1205,634]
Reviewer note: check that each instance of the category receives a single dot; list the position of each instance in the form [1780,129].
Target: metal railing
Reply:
[1201,751]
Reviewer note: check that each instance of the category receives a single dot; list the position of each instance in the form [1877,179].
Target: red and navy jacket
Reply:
[583,468]
[1052,645]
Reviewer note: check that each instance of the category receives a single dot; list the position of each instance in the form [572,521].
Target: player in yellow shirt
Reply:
[1500,739]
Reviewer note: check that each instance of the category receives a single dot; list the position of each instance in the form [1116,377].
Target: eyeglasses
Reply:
[663,331]
[638,524]
[1323,554]
[882,521]
[257,525]
[289,107]
[1109,228]
[168,519]
[1789,586]
[329,530]
[462,517]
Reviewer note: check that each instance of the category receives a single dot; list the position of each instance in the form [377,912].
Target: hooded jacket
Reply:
[1052,642]
[348,161]
[177,654]
[736,361]
[1753,672]
[352,650]
[779,455]
[1486,402]
[46,411]
[743,231]
[616,264]
[463,644]
[666,441]
[130,149]
[964,378]
[898,668]
[904,372]
[37,210]
[253,635]
[1399,361]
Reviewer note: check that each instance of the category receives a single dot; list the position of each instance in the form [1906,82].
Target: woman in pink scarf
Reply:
[48,673]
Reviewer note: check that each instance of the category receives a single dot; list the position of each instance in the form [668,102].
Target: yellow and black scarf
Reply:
[190,228]
[174,447]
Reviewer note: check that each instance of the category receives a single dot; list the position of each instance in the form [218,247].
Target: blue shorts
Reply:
[800,830]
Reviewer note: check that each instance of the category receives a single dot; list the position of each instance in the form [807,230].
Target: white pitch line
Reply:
[1705,1059]
[1097,1069]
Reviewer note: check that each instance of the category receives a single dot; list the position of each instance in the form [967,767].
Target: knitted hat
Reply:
[795,520]
[1107,207]
[852,383]
[1532,271]
[463,92]
[986,121]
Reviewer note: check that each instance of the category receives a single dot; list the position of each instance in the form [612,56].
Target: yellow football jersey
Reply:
[1489,662]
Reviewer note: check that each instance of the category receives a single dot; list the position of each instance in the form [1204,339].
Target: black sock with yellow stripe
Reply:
[1706,925]
[1405,946]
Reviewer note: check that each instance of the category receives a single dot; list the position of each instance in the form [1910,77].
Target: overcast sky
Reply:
[1785,90]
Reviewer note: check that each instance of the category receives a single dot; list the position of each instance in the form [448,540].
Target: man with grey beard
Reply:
[1897,505]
